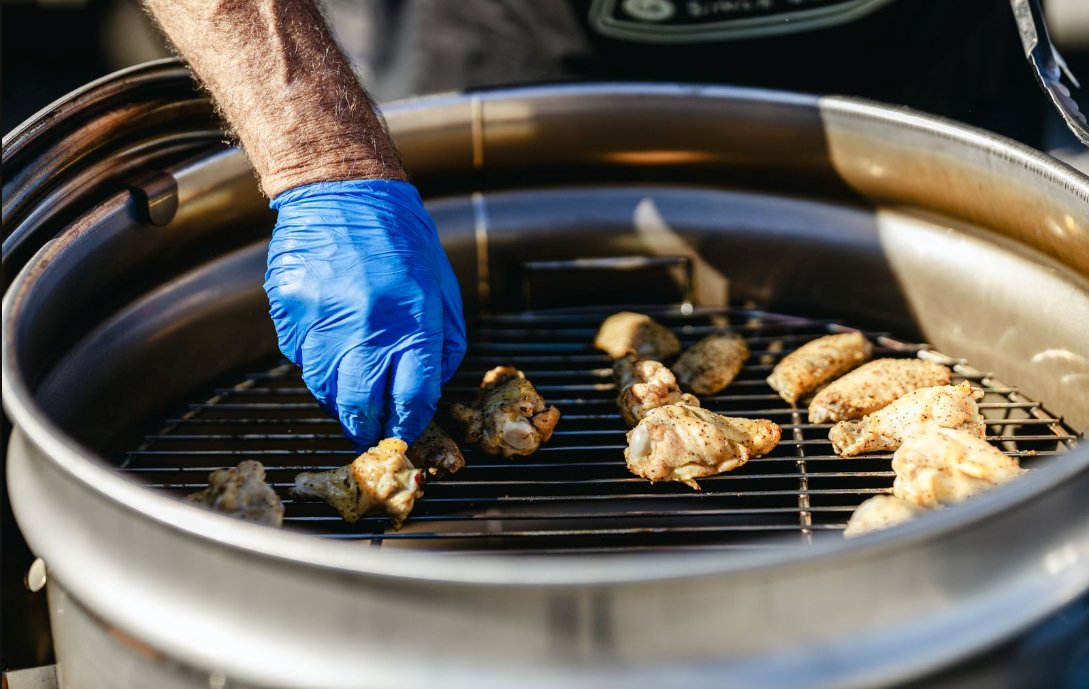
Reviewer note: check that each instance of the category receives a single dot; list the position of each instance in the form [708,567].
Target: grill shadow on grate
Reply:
[575,494]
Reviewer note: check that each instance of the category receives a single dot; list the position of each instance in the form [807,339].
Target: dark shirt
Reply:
[957,58]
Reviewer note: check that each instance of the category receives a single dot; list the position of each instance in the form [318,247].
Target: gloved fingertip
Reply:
[408,421]
[408,432]
[453,345]
[361,430]
[451,360]
[415,386]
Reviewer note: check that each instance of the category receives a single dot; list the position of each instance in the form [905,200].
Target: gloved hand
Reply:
[364,300]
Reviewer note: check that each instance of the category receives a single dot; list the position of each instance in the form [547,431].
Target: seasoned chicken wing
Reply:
[873,386]
[942,466]
[508,417]
[382,478]
[712,363]
[638,333]
[682,443]
[645,385]
[880,512]
[817,362]
[944,406]
[436,452]
[243,493]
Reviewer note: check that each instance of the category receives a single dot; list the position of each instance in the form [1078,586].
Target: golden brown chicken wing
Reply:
[942,466]
[645,385]
[817,362]
[873,386]
[682,443]
[712,363]
[243,493]
[508,417]
[382,478]
[945,406]
[637,333]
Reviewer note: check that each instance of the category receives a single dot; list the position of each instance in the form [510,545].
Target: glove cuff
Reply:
[394,191]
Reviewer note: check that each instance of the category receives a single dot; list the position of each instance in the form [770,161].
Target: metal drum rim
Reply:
[83,466]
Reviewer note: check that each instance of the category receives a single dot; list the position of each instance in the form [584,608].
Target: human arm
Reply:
[285,89]
[362,296]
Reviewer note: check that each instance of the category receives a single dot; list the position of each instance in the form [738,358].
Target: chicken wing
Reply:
[682,443]
[817,362]
[243,493]
[880,512]
[635,332]
[382,478]
[508,417]
[942,466]
[436,452]
[944,406]
[645,385]
[873,386]
[712,363]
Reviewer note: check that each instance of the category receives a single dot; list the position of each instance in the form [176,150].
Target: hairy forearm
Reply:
[284,87]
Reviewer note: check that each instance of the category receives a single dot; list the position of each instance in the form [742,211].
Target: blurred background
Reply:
[53,46]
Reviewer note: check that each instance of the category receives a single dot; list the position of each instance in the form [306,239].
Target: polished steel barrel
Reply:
[149,289]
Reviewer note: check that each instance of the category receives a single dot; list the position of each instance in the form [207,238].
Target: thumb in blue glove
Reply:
[364,300]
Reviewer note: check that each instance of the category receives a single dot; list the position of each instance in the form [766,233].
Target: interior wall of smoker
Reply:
[198,315]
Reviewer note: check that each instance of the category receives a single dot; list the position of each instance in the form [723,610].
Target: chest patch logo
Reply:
[709,21]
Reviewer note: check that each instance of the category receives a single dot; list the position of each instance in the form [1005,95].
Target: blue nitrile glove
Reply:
[364,300]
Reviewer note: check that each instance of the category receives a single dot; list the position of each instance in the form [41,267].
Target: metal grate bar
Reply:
[1059,435]
[543,450]
[560,483]
[805,517]
[332,423]
[575,495]
[689,513]
[569,533]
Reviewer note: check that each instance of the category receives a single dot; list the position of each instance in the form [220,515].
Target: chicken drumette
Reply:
[243,493]
[944,406]
[817,362]
[873,386]
[682,443]
[880,512]
[712,363]
[508,417]
[382,478]
[645,385]
[942,466]
[637,333]
[436,451]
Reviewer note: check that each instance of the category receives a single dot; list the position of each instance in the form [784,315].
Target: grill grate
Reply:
[575,494]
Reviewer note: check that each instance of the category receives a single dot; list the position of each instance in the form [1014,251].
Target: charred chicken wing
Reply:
[942,406]
[712,363]
[637,333]
[382,478]
[243,493]
[942,466]
[645,385]
[873,386]
[682,443]
[817,362]
[508,417]
[436,452]
[880,512]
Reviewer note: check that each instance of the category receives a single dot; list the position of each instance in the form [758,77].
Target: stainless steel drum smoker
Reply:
[138,356]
